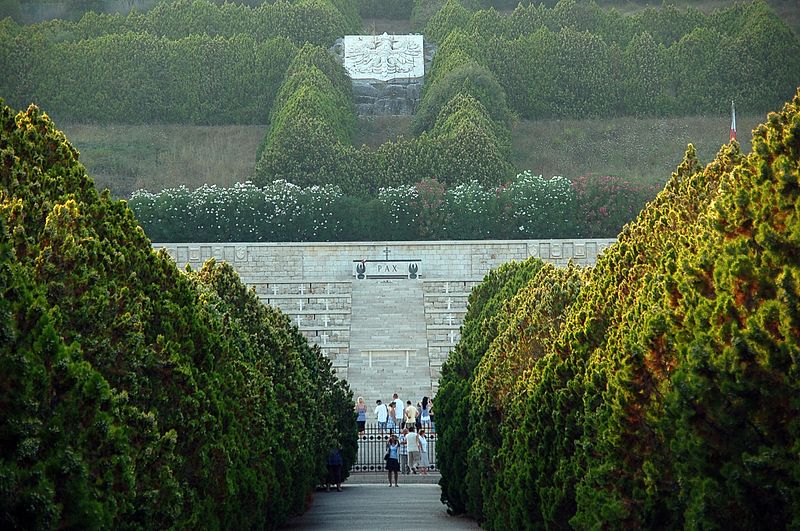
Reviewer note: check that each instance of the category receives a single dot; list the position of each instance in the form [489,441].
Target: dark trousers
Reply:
[334,474]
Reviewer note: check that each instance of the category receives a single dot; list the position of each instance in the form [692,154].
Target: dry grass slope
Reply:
[124,158]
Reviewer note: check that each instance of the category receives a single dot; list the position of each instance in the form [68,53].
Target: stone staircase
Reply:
[388,341]
[445,308]
[320,309]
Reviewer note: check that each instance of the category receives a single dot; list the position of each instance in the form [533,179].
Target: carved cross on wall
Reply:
[386,252]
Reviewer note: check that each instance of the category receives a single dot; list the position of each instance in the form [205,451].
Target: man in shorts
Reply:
[410,415]
[412,444]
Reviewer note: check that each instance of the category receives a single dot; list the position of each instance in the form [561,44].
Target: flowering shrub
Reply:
[607,203]
[540,206]
[529,206]
[279,211]
[476,211]
[402,217]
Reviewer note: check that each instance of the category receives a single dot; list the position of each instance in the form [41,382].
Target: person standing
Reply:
[399,407]
[361,410]
[410,416]
[392,454]
[423,453]
[413,449]
[390,423]
[425,413]
[381,413]
[404,452]
[334,470]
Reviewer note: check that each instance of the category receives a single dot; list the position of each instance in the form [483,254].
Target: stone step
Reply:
[388,314]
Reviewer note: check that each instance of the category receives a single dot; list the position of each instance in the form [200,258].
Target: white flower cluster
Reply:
[528,206]
[243,212]
[399,202]
[540,205]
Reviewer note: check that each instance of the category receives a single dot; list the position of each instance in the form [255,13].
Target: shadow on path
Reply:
[364,507]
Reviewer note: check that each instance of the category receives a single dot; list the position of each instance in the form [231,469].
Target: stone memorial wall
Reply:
[387,314]
[446,260]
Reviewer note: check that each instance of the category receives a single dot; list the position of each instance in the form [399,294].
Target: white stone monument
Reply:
[387,71]
[384,57]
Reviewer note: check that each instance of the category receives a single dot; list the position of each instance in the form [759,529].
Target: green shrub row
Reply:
[181,62]
[316,21]
[141,78]
[658,389]
[528,207]
[136,395]
[309,139]
[577,59]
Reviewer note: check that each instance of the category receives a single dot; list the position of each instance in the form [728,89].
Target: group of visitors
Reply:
[407,453]
[395,415]
[408,426]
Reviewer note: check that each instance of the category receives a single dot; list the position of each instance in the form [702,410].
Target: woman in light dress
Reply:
[424,463]
[361,410]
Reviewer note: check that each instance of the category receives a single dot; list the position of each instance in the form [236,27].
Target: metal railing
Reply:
[372,448]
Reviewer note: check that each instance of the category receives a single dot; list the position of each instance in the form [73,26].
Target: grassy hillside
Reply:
[646,149]
[124,158]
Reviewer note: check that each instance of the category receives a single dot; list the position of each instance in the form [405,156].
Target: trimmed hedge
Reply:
[577,59]
[189,61]
[136,395]
[308,142]
[657,389]
[141,78]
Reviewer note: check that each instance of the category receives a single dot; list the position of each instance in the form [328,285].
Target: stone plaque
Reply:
[384,57]
[363,269]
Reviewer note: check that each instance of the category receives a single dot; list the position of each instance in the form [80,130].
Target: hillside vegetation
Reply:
[125,158]
[658,389]
[135,395]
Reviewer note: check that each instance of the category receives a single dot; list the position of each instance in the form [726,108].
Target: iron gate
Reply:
[372,448]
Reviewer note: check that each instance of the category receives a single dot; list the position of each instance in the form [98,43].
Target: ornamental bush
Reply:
[526,207]
[308,141]
[607,203]
[576,59]
[468,85]
[656,389]
[187,61]
[138,395]
[142,78]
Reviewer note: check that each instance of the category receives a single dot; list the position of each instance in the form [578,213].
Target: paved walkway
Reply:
[363,507]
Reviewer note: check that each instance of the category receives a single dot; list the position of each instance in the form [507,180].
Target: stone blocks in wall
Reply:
[260,263]
[560,252]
